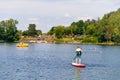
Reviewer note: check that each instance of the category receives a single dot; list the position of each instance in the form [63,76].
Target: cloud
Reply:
[67,15]
[47,8]
[33,20]
[84,18]
[55,12]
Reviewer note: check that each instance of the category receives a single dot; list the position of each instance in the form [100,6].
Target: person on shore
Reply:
[78,55]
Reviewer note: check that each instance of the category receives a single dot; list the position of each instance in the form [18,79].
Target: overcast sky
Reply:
[48,13]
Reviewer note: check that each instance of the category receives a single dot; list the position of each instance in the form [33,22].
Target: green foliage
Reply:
[106,29]
[67,30]
[39,32]
[18,35]
[11,30]
[78,27]
[90,39]
[32,30]
[25,33]
[58,41]
[109,27]
[59,31]
[8,30]
[51,32]
[2,32]
[91,30]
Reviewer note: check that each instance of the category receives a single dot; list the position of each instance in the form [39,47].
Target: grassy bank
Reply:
[69,40]
[88,40]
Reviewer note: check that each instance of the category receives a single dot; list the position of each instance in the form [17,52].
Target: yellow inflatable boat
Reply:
[22,45]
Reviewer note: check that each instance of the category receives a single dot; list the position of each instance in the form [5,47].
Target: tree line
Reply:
[10,33]
[106,29]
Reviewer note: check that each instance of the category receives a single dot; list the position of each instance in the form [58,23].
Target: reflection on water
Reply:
[77,74]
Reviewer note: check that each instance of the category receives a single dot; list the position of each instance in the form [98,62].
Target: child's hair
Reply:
[78,46]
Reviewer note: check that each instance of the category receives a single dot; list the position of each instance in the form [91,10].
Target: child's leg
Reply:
[77,60]
[80,60]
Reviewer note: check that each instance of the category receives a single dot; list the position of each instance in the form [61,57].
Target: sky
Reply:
[48,13]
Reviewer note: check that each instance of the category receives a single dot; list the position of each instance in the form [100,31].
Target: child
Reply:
[78,55]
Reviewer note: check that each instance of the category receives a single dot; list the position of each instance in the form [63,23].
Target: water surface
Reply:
[53,62]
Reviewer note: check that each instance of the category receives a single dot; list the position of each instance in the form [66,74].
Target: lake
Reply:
[53,62]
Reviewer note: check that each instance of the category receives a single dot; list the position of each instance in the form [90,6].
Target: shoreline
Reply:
[109,44]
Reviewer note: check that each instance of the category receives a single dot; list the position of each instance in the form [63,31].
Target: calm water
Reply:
[53,62]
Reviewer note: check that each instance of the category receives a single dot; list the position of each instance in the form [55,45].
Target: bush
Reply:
[58,41]
[90,39]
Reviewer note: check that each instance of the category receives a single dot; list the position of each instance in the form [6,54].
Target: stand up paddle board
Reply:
[78,65]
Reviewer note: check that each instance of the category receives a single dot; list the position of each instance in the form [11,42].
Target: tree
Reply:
[116,35]
[73,28]
[32,30]
[2,32]
[90,30]
[59,31]
[25,33]
[77,28]
[80,27]
[10,30]
[18,35]
[51,32]
[67,31]
[105,29]
[39,32]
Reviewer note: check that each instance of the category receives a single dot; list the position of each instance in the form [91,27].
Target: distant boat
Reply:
[22,45]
